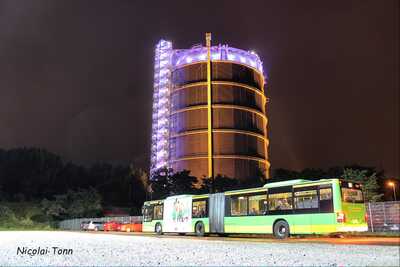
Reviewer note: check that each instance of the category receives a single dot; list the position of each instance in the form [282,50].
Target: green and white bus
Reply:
[325,206]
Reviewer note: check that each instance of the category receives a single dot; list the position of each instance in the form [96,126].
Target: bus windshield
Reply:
[352,195]
[147,213]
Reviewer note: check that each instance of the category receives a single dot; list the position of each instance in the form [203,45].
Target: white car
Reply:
[95,226]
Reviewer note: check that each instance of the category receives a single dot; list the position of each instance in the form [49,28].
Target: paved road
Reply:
[346,240]
[83,249]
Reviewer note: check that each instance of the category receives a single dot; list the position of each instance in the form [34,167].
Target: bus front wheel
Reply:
[281,230]
[158,229]
[199,229]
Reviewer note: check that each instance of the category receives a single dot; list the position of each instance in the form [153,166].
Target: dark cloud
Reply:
[76,76]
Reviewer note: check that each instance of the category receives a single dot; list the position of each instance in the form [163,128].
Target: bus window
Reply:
[352,195]
[280,201]
[147,213]
[199,209]
[306,199]
[158,212]
[325,200]
[239,206]
[257,204]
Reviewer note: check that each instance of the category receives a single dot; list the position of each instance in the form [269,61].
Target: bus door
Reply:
[305,205]
[217,212]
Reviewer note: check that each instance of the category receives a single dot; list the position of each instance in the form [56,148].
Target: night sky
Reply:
[76,76]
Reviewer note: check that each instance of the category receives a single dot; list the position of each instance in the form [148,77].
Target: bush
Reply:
[6,213]
[23,216]
[41,218]
[73,204]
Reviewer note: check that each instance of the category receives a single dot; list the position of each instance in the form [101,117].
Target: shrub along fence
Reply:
[75,224]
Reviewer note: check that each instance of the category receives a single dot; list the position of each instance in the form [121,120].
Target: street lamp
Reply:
[393,185]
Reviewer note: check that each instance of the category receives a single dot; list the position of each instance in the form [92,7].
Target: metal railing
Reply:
[75,224]
[383,216]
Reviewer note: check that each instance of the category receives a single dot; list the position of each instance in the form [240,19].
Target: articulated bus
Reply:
[325,206]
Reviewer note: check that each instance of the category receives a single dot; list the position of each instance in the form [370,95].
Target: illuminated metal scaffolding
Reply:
[161,106]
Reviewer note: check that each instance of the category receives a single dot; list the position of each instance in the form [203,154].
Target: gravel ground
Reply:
[123,250]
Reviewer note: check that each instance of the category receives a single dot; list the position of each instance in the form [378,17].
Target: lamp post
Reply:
[393,185]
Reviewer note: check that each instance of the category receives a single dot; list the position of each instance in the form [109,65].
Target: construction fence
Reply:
[383,216]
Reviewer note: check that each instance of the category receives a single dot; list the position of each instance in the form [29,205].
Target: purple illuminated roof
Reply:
[221,52]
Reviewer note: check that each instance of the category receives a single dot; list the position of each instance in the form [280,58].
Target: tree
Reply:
[6,213]
[334,172]
[55,209]
[257,180]
[182,183]
[73,204]
[29,172]
[219,184]
[160,184]
[369,183]
[165,182]
[312,174]
[140,175]
[140,181]
[283,175]
[2,194]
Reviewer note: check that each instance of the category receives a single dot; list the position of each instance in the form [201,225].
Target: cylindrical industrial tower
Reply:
[217,121]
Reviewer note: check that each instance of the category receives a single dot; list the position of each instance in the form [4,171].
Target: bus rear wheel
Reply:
[158,229]
[281,229]
[199,229]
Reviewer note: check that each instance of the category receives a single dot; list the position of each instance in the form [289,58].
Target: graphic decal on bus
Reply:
[178,214]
